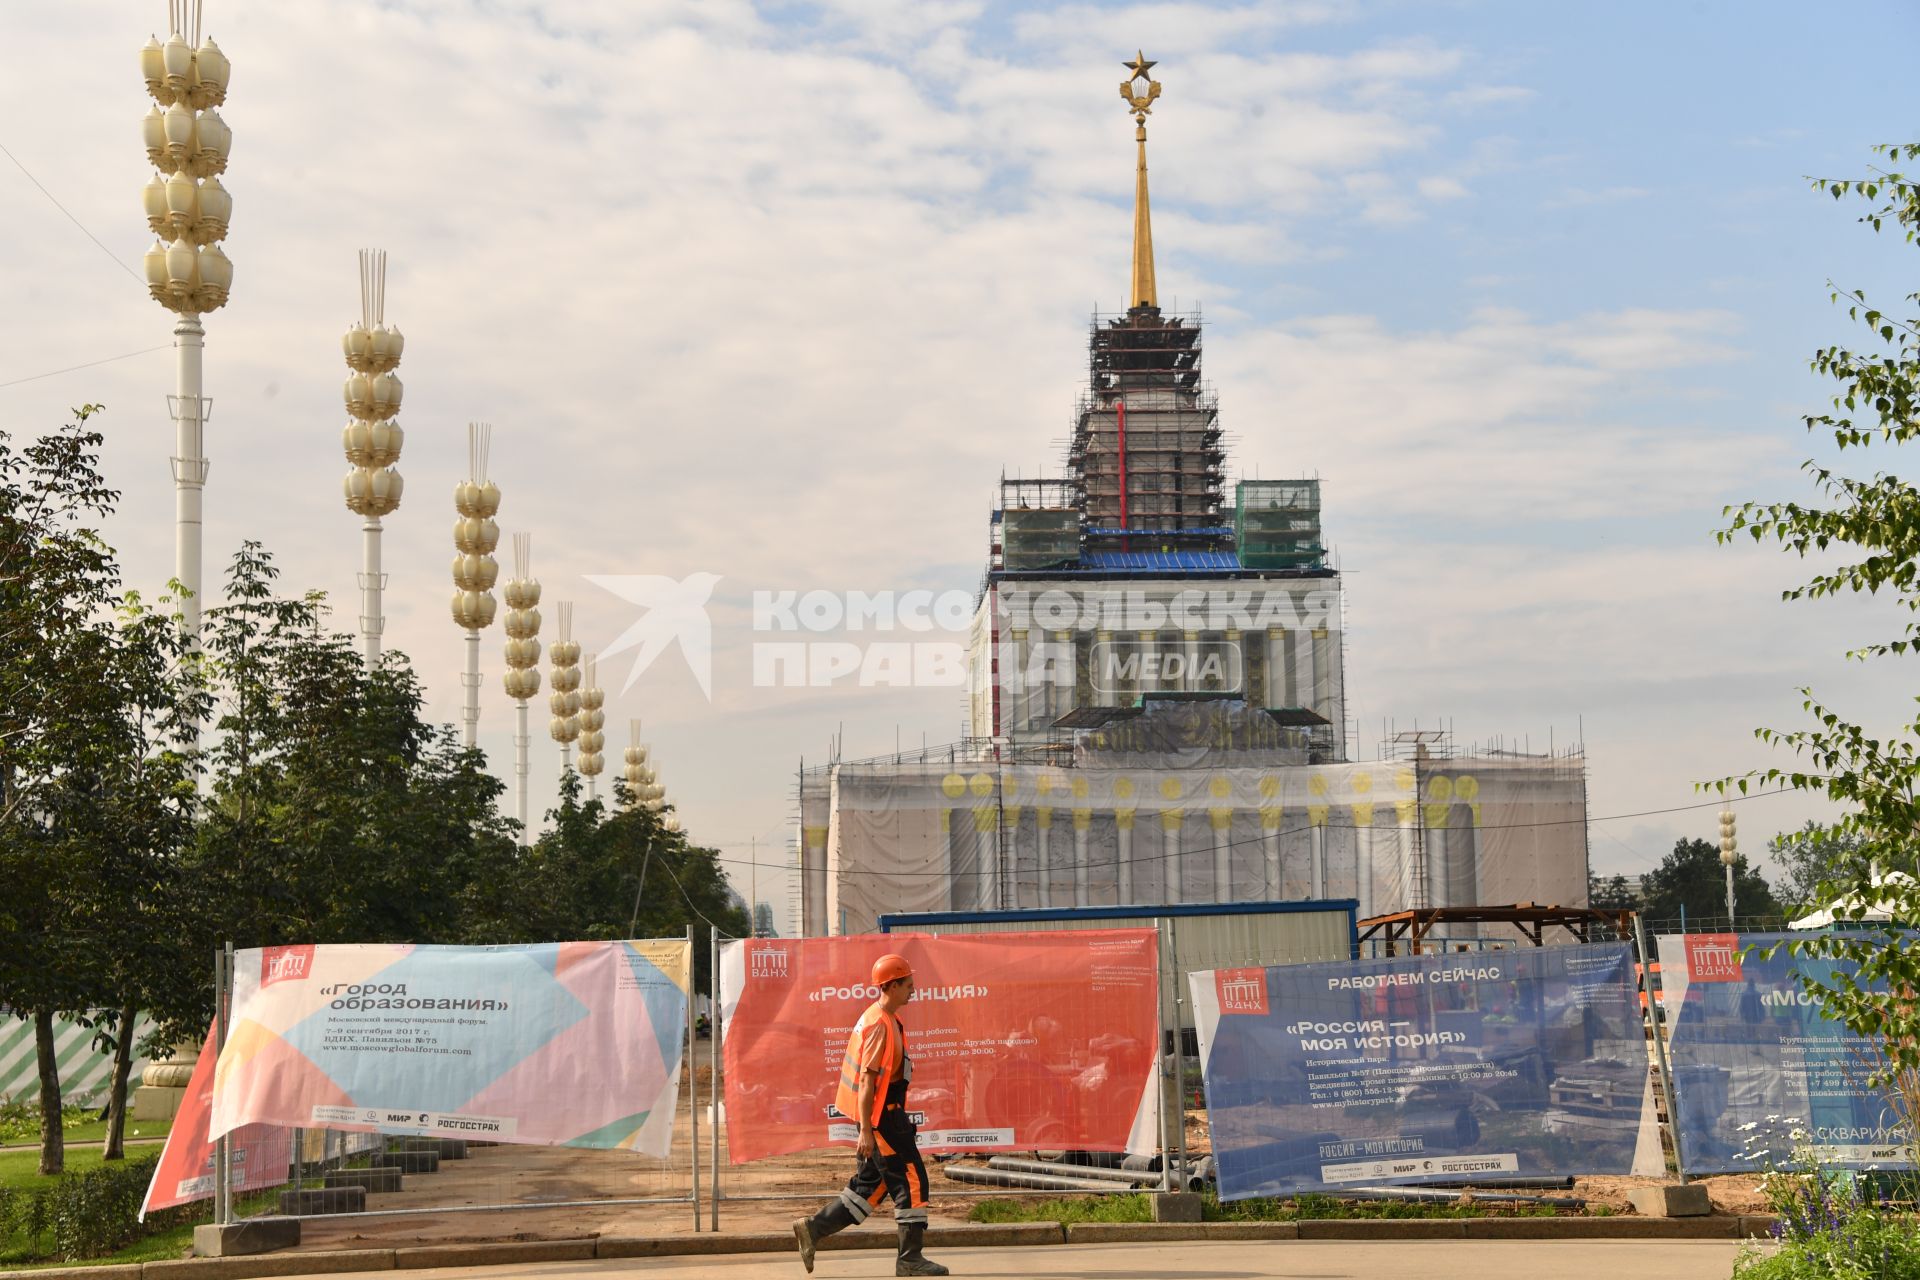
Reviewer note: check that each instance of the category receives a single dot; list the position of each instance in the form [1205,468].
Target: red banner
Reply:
[262,1153]
[1019,1041]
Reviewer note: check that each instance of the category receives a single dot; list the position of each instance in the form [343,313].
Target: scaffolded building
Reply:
[1156,696]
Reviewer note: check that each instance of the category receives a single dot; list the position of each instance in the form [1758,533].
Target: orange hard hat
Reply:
[890,968]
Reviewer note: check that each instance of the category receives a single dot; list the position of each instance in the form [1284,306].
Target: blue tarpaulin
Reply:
[1481,1065]
[1754,1060]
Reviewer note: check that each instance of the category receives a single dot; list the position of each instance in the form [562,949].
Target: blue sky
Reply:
[775,292]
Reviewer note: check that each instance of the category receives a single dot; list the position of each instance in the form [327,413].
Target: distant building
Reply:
[1157,698]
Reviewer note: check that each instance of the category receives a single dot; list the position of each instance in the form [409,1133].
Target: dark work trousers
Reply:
[893,1170]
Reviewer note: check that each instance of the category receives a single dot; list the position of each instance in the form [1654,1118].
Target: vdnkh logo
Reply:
[281,964]
[768,962]
[1241,990]
[1713,957]
[1121,664]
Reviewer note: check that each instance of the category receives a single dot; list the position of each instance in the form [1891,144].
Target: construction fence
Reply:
[1098,1058]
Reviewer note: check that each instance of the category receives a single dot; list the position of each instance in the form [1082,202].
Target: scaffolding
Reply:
[1276,524]
[1147,455]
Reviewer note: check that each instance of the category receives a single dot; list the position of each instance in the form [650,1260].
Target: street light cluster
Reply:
[187,141]
[189,212]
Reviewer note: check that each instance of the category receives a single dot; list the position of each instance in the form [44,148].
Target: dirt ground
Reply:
[467,1200]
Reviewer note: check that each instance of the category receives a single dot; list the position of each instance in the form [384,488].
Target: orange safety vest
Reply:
[847,1098]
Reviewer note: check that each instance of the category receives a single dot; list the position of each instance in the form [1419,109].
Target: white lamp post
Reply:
[634,768]
[1729,854]
[475,535]
[564,701]
[373,438]
[522,678]
[593,720]
[187,210]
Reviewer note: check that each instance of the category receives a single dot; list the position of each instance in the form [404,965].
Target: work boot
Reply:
[809,1232]
[911,1262]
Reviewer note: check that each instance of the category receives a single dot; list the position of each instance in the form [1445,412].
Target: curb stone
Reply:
[955,1236]
[263,1264]
[504,1253]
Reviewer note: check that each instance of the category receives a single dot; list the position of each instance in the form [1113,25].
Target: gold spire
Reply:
[1142,292]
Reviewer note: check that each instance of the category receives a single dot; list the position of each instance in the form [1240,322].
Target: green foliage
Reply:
[1611,893]
[1873,527]
[1829,1228]
[84,1215]
[20,1119]
[97,696]
[1692,877]
[1129,1207]
[1811,857]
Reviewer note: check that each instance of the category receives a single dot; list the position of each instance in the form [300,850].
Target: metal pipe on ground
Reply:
[1020,1164]
[983,1176]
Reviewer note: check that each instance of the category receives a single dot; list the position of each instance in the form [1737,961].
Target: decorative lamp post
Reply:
[188,211]
[475,535]
[635,770]
[1729,854]
[564,702]
[593,720]
[373,438]
[522,679]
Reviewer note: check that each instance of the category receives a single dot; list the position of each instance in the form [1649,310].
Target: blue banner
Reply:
[1478,1066]
[1757,1071]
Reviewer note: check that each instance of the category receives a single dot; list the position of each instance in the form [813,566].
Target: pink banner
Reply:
[262,1153]
[1019,1041]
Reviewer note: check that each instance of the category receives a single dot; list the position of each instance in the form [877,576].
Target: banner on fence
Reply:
[1484,1065]
[1019,1041]
[262,1153]
[560,1043]
[1753,1061]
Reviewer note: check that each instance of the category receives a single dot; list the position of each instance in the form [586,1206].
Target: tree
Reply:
[1612,893]
[1691,881]
[337,813]
[96,698]
[1811,857]
[1873,526]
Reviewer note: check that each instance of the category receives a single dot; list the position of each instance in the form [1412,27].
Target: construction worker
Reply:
[873,1090]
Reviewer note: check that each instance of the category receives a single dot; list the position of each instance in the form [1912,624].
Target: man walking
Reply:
[873,1091]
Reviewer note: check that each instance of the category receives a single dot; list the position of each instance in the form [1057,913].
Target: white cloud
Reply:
[779,301]
[1443,188]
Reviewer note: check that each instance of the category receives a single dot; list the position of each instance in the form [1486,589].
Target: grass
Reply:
[1117,1208]
[80,1126]
[1138,1207]
[21,1167]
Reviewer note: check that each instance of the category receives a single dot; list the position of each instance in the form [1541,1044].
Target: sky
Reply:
[775,293]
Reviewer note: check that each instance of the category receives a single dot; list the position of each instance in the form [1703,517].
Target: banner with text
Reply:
[560,1043]
[1019,1041]
[1472,1065]
[262,1153]
[1753,1061]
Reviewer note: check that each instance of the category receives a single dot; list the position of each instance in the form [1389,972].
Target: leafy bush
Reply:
[20,1119]
[87,1215]
[1830,1227]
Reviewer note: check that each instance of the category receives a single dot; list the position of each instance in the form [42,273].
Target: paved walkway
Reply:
[1225,1260]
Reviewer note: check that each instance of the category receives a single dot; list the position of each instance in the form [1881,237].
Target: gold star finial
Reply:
[1141,104]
